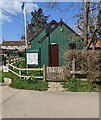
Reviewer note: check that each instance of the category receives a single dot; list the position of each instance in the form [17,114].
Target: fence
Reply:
[46,73]
[18,71]
[55,74]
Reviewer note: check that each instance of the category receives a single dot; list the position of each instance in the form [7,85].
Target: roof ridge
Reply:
[48,33]
[43,29]
[59,24]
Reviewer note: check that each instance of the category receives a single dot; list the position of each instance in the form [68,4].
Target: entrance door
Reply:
[53,55]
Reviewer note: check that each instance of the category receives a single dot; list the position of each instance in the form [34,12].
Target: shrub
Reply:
[87,61]
[30,84]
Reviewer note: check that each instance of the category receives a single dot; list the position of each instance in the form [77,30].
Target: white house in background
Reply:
[13,45]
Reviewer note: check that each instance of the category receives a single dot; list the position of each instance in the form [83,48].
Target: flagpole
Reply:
[25,31]
[26,46]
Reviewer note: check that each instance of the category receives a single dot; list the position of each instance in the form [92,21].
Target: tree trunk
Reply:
[86,17]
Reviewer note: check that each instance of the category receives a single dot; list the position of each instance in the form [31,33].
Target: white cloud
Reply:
[30,7]
[14,7]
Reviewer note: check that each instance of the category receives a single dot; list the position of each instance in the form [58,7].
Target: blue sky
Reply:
[13,24]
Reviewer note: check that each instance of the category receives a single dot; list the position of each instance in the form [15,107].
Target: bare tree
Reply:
[96,33]
[88,22]
[88,19]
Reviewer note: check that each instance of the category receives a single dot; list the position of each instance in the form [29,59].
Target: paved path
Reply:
[34,104]
[55,86]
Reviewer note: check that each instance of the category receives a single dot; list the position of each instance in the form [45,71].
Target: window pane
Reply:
[72,46]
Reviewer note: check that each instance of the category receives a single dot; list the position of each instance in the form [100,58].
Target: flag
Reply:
[23,7]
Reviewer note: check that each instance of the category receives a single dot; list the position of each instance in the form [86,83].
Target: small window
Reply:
[52,26]
[72,46]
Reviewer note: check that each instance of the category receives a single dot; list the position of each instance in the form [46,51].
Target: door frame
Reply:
[50,54]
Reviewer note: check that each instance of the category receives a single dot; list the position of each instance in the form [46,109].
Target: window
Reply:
[52,26]
[72,46]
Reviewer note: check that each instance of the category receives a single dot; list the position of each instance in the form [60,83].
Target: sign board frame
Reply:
[32,58]
[32,52]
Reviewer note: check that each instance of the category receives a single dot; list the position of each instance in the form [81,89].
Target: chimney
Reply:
[61,22]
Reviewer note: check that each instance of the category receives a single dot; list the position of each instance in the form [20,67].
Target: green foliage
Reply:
[38,21]
[79,86]
[9,75]
[20,64]
[33,66]
[30,84]
[35,73]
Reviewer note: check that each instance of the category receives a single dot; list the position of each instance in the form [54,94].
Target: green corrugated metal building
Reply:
[52,41]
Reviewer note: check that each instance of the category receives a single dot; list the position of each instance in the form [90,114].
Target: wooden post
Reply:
[20,72]
[44,72]
[9,61]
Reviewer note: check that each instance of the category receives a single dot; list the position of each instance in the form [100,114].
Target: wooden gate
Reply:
[55,74]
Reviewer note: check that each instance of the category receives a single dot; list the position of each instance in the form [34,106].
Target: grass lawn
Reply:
[79,86]
[31,84]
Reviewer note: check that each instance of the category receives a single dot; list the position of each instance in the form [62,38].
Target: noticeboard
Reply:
[32,58]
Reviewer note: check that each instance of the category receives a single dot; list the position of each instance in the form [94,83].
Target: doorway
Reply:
[53,55]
